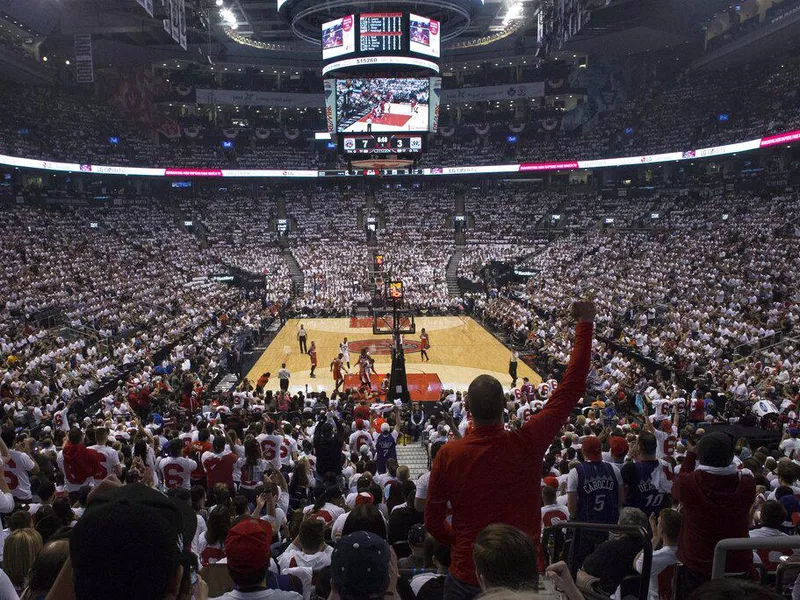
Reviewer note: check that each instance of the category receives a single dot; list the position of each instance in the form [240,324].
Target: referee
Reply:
[283,377]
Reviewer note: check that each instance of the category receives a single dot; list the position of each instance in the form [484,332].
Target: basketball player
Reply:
[425,343]
[344,348]
[336,368]
[369,122]
[365,363]
[312,352]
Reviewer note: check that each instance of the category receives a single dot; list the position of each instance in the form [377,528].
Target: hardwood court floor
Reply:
[461,349]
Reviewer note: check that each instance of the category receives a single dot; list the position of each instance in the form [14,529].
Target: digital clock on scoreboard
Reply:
[382,143]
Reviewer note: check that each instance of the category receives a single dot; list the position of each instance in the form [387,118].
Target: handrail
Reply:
[788,542]
[647,554]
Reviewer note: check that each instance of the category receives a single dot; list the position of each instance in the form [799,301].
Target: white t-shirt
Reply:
[177,472]
[277,521]
[360,438]
[251,476]
[16,469]
[110,459]
[318,560]
[662,559]
[271,449]
[260,595]
[422,486]
[790,445]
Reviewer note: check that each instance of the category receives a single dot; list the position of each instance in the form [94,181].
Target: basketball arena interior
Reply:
[395,299]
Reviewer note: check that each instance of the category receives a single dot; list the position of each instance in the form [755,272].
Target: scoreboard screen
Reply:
[381,32]
[382,144]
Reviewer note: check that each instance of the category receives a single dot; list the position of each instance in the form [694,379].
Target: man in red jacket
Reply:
[715,504]
[494,476]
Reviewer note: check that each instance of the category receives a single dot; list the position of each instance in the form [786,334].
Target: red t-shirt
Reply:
[219,469]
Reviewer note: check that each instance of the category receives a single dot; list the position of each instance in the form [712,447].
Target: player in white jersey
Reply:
[344,348]
[176,470]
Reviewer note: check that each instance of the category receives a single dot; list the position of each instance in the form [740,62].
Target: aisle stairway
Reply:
[452,272]
[298,279]
[414,456]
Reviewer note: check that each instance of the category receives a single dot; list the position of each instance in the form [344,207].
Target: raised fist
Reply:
[583,310]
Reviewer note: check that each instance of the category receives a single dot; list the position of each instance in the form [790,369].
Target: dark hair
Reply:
[75,435]
[715,449]
[63,511]
[252,452]
[219,444]
[47,489]
[175,447]
[312,534]
[240,505]
[506,557]
[219,522]
[46,567]
[365,517]
[486,399]
[672,522]
[647,442]
[773,514]
[46,522]
[733,589]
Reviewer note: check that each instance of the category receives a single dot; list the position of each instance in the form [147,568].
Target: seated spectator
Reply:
[505,557]
[363,566]
[247,548]
[308,549]
[46,568]
[419,543]
[773,515]
[106,561]
[430,586]
[19,553]
[612,561]
[666,528]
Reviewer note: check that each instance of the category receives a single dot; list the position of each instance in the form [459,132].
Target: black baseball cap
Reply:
[130,533]
[360,565]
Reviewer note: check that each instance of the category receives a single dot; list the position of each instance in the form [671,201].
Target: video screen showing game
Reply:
[381,105]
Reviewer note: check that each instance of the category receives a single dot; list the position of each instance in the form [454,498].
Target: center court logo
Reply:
[381,346]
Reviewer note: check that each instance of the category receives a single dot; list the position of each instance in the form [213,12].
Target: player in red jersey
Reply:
[337,366]
[312,353]
[425,343]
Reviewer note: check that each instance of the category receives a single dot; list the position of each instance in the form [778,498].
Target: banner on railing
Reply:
[493,92]
[249,98]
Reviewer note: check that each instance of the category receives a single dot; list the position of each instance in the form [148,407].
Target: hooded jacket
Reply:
[715,507]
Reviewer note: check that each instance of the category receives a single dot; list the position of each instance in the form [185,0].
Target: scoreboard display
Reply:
[382,143]
[381,32]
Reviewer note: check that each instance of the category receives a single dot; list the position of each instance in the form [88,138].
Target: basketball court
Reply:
[399,117]
[461,349]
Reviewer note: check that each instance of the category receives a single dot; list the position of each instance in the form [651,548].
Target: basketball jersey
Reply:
[644,495]
[386,448]
[598,493]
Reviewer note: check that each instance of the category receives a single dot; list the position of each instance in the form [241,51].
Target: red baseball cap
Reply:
[359,423]
[364,498]
[618,445]
[247,546]
[591,448]
[551,480]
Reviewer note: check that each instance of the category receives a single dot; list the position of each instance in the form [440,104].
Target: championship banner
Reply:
[84,65]
[175,19]
[251,98]
[182,23]
[435,101]
[147,5]
[493,92]
[330,104]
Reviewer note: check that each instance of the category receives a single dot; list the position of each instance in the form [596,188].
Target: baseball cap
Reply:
[360,565]
[103,549]
[417,534]
[247,546]
[618,445]
[551,480]
[364,498]
[591,448]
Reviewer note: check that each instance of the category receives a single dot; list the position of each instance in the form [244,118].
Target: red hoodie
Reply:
[714,507]
[81,463]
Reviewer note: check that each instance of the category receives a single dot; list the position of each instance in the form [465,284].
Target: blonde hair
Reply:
[19,553]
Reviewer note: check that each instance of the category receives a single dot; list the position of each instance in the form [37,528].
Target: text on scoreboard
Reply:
[382,143]
[380,32]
